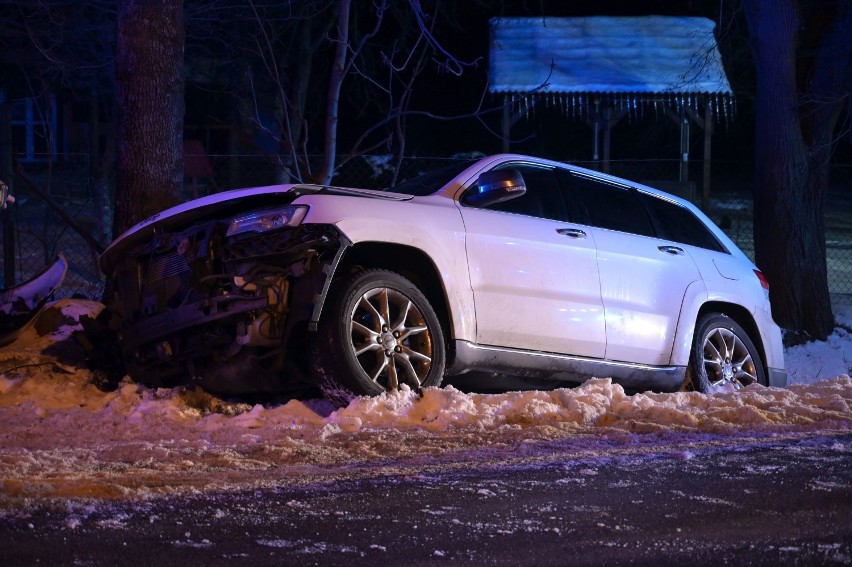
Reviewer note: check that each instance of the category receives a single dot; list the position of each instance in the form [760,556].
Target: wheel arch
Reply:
[743,318]
[408,261]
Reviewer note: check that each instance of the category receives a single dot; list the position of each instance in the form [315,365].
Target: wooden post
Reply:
[610,120]
[684,146]
[607,114]
[595,138]
[708,135]
[507,124]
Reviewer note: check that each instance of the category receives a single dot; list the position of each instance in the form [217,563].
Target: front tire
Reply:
[378,332]
[723,357]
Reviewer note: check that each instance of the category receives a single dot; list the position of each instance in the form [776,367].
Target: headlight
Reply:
[270,219]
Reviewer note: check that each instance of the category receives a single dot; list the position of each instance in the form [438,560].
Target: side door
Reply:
[643,277]
[533,273]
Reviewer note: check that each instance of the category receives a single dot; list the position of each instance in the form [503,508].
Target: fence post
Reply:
[6,176]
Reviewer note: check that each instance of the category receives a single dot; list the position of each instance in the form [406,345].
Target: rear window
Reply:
[678,224]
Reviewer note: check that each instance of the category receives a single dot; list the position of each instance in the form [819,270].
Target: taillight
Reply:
[764,283]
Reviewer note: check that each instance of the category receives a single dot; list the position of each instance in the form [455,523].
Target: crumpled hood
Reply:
[224,205]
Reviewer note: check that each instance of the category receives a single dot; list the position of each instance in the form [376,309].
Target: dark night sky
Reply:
[552,135]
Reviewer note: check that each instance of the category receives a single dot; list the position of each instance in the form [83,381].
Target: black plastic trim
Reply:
[328,270]
[777,378]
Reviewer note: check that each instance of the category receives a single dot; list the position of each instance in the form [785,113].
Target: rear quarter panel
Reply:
[728,279]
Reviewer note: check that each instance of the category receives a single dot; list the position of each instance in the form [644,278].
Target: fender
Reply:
[393,226]
[694,297]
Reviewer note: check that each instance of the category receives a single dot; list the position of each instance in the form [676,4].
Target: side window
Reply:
[678,224]
[543,197]
[611,206]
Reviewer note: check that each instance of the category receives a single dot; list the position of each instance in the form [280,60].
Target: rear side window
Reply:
[678,224]
[611,206]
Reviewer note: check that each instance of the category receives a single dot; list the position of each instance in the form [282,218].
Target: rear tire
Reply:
[723,357]
[378,332]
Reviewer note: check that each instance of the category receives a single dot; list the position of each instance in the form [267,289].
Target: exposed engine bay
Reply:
[228,311]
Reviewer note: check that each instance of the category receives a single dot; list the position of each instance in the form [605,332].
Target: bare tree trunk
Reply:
[338,72]
[149,77]
[789,228]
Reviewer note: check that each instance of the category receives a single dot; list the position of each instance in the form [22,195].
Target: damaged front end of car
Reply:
[221,301]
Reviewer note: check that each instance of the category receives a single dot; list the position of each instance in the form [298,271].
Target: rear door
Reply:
[643,277]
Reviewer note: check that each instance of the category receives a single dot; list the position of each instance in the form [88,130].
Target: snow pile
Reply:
[820,360]
[598,403]
[62,437]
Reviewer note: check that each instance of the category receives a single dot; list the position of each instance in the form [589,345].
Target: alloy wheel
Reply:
[390,338]
[727,361]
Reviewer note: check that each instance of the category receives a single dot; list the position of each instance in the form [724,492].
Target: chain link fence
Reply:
[36,227]
[35,230]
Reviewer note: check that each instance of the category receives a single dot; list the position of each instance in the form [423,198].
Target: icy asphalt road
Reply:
[580,476]
[771,500]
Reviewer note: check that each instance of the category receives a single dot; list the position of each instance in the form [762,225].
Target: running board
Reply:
[532,366]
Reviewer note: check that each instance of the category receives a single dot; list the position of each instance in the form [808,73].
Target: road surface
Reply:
[783,500]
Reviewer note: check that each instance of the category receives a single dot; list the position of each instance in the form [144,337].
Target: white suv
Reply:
[501,272]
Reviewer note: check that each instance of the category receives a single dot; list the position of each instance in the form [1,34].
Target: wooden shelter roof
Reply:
[622,61]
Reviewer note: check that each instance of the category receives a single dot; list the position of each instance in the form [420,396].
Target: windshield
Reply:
[428,183]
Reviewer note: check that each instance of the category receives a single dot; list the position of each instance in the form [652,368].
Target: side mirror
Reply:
[496,186]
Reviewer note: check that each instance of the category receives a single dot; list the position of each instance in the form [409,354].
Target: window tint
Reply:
[543,197]
[611,206]
[678,224]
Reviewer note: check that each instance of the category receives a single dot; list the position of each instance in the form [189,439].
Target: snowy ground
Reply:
[62,440]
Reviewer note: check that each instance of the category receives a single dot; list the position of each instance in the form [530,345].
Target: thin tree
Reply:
[150,99]
[803,58]
[332,62]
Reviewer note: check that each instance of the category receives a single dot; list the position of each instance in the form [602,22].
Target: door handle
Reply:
[572,232]
[673,250]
